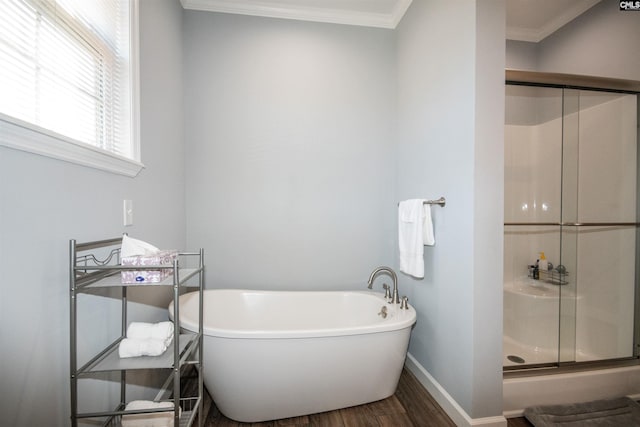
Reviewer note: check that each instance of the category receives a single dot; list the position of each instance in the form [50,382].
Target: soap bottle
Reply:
[536,270]
[542,262]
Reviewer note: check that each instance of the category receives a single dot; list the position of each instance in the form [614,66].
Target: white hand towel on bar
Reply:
[415,229]
[159,331]
[428,238]
[410,237]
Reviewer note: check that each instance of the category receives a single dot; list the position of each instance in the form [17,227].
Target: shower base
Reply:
[535,355]
[530,355]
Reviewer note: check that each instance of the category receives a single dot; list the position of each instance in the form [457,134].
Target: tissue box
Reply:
[149,276]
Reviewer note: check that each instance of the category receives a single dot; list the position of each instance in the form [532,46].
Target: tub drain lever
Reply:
[383,312]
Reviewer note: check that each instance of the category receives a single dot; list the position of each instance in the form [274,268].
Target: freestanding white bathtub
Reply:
[278,354]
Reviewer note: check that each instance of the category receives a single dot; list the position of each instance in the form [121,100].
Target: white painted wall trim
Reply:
[448,403]
[26,137]
[293,10]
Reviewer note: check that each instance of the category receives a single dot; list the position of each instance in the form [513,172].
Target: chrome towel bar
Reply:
[441,201]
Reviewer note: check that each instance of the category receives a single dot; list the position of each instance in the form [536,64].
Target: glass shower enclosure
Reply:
[571,226]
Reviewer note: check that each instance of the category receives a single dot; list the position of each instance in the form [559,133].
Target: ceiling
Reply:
[527,20]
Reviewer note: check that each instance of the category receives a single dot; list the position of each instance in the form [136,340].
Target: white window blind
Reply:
[68,73]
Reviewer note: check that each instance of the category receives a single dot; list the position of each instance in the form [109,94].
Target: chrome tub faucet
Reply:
[381,270]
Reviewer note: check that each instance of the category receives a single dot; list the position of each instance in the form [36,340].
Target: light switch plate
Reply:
[127,211]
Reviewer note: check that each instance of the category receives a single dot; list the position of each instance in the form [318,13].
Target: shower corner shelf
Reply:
[95,266]
[552,276]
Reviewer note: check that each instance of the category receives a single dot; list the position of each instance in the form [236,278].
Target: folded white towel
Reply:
[158,331]
[157,419]
[131,347]
[410,237]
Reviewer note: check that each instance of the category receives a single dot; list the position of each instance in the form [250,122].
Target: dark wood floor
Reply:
[410,406]
[518,422]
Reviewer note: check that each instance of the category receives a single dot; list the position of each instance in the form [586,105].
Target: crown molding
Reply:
[290,10]
[535,35]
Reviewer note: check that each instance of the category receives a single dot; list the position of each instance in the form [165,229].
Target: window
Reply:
[68,81]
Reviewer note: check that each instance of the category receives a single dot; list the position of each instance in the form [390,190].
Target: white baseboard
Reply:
[448,404]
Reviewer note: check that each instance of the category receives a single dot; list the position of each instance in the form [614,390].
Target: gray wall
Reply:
[600,42]
[521,55]
[46,202]
[293,180]
[290,147]
[450,143]
[299,138]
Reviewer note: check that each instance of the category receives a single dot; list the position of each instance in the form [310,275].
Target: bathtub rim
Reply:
[399,319]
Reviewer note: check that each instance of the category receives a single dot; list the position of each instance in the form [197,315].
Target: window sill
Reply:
[52,145]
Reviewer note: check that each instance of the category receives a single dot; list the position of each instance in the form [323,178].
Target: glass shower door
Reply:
[599,213]
[571,184]
[533,213]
